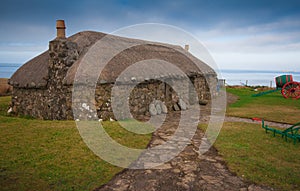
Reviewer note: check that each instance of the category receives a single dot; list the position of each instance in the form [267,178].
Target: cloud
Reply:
[273,45]
[232,30]
[17,56]
[20,52]
[254,61]
[262,38]
[22,32]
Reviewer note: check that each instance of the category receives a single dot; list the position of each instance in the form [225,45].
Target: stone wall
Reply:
[157,91]
[57,103]
[29,102]
[39,104]
[139,100]
[143,94]
[63,53]
[54,100]
[205,86]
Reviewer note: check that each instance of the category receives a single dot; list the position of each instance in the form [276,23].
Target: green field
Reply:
[50,155]
[253,154]
[272,107]
[259,157]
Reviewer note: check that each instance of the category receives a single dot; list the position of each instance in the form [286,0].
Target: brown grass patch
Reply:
[272,113]
[5,89]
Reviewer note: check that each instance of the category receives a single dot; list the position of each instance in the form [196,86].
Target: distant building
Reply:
[42,87]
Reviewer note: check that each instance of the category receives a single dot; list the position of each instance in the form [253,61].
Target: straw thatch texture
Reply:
[34,73]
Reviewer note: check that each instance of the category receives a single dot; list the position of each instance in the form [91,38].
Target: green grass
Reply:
[271,107]
[260,157]
[4,105]
[50,155]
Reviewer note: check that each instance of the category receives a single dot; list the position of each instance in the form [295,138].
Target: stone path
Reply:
[187,171]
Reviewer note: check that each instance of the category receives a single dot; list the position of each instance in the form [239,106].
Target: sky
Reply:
[252,35]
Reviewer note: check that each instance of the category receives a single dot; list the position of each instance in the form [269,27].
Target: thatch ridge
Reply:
[34,73]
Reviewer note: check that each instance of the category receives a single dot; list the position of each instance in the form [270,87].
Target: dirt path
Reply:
[187,171]
[246,120]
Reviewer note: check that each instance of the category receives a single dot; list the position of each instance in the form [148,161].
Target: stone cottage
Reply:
[42,87]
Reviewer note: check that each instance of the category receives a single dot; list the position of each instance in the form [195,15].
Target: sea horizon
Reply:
[232,76]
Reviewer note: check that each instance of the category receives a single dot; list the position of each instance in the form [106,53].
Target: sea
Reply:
[255,77]
[232,76]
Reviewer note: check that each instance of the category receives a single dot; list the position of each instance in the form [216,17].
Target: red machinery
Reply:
[289,88]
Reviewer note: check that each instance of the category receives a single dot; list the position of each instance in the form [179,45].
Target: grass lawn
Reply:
[260,157]
[253,154]
[50,155]
[271,107]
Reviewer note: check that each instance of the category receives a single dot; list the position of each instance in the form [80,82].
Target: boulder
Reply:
[164,108]
[152,109]
[203,102]
[176,107]
[182,104]
[158,108]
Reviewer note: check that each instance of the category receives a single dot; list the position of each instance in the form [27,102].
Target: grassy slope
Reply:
[50,155]
[260,157]
[252,153]
[271,107]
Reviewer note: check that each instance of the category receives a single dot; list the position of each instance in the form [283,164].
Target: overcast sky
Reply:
[257,34]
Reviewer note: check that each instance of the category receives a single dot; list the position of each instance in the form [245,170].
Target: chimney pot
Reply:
[187,47]
[60,29]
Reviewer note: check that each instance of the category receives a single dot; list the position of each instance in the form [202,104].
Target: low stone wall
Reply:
[31,102]
[38,104]
[139,100]
[57,103]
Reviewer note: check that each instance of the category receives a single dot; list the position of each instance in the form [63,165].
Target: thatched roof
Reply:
[34,73]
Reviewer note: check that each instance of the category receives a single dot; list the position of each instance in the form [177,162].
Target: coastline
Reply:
[232,77]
